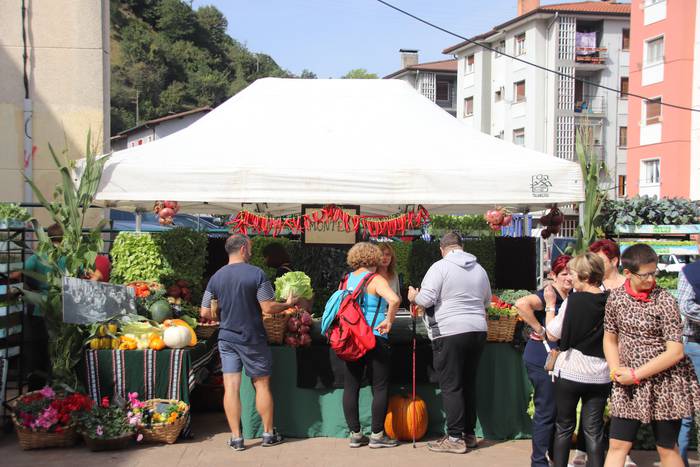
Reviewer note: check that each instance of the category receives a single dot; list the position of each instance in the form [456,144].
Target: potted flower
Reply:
[163,420]
[112,424]
[48,419]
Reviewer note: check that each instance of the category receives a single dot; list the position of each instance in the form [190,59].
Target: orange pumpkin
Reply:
[400,422]
[156,343]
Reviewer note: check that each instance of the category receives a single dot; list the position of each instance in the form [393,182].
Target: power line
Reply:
[549,70]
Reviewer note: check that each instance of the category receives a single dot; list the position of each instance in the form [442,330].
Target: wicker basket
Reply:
[163,432]
[29,439]
[205,331]
[113,444]
[501,328]
[276,325]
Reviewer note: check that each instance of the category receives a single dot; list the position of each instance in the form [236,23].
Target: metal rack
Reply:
[12,310]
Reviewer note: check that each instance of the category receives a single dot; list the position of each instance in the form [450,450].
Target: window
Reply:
[468,106]
[655,51]
[651,171]
[519,136]
[622,185]
[625,39]
[520,44]
[500,48]
[652,111]
[469,64]
[623,137]
[519,91]
[442,91]
[624,87]
[498,95]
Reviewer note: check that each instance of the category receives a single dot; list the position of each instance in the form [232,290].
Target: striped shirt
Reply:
[689,309]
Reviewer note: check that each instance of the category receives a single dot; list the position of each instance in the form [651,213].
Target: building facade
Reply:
[67,87]
[664,150]
[512,100]
[157,128]
[435,80]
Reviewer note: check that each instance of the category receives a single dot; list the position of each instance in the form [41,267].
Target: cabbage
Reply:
[295,283]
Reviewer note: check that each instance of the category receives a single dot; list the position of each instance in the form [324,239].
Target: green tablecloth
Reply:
[503,394]
[162,374]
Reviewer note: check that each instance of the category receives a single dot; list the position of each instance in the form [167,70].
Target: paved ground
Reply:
[209,449]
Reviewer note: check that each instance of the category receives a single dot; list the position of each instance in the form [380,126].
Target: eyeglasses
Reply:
[647,275]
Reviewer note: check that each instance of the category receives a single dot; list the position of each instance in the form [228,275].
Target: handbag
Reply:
[552,355]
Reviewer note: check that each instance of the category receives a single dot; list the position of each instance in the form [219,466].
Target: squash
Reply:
[127,343]
[399,421]
[176,337]
[160,311]
[156,343]
[180,323]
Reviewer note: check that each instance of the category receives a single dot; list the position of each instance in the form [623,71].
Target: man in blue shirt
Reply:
[244,293]
[689,304]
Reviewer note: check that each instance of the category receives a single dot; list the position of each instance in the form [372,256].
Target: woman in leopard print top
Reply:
[653,382]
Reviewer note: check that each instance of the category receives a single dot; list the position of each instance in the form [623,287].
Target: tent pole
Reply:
[138,220]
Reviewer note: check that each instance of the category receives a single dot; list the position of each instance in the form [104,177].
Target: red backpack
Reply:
[349,335]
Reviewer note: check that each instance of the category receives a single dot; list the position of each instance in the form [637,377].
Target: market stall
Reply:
[374,144]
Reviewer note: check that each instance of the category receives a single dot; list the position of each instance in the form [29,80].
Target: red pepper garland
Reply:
[374,226]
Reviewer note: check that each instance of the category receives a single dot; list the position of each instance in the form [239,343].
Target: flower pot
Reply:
[111,444]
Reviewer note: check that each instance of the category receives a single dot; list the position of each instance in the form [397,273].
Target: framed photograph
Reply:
[330,233]
[86,302]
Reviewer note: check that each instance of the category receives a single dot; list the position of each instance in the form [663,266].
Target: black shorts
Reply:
[665,431]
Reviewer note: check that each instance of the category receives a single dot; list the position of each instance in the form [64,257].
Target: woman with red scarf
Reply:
[653,382]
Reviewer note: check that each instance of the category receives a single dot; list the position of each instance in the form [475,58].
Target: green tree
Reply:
[175,20]
[307,74]
[359,73]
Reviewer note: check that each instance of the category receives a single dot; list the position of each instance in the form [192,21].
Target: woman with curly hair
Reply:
[379,305]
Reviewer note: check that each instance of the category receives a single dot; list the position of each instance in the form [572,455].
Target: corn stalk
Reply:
[72,257]
[592,170]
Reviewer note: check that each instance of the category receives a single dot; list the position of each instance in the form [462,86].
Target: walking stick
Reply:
[414,310]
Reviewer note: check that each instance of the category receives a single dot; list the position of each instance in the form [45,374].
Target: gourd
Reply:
[176,337]
[156,343]
[168,323]
[399,422]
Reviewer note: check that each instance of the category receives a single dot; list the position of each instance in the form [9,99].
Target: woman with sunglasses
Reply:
[653,381]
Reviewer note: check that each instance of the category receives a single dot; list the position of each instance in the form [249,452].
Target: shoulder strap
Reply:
[362,286]
[343,282]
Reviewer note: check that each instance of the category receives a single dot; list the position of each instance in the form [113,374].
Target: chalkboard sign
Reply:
[86,302]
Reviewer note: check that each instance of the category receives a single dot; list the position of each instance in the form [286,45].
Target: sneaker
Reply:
[629,462]
[470,441]
[236,444]
[445,444]
[271,439]
[381,440]
[358,439]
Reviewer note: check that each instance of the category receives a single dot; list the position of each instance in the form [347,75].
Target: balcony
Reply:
[590,106]
[591,58]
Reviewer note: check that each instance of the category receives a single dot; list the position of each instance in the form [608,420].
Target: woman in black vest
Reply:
[580,370]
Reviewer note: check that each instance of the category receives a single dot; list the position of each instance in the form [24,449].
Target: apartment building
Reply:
[435,80]
[664,150]
[527,105]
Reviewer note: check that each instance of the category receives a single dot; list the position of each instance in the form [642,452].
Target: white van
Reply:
[674,263]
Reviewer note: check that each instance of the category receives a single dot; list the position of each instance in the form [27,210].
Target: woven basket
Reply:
[29,439]
[501,328]
[163,432]
[205,331]
[113,444]
[276,325]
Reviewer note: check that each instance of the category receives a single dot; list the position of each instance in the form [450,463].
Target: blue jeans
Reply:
[692,350]
[545,414]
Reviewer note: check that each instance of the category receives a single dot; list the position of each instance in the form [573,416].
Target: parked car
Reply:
[126,221]
[674,263]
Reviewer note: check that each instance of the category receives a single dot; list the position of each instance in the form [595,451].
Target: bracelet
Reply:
[612,374]
[634,377]
[549,309]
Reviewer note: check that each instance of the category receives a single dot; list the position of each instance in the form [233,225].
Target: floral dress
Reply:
[642,329]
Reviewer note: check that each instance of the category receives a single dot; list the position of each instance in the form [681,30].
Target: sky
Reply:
[332,37]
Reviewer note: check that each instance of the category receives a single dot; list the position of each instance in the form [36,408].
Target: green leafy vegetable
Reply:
[293,283]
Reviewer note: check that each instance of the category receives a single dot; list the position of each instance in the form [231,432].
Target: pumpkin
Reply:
[156,343]
[399,423]
[178,322]
[176,337]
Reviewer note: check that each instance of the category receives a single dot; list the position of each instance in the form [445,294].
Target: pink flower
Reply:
[47,419]
[99,431]
[47,392]
[139,437]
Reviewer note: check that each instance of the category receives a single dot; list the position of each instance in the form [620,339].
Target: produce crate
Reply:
[276,325]
[501,328]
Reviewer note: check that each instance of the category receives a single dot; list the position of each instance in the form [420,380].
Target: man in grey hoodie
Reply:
[455,293]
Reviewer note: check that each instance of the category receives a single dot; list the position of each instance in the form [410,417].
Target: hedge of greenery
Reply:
[648,210]
[326,265]
[163,257]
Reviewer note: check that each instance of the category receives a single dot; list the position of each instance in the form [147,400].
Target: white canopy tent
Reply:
[374,143]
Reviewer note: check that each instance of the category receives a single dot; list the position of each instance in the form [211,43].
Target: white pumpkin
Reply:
[176,337]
